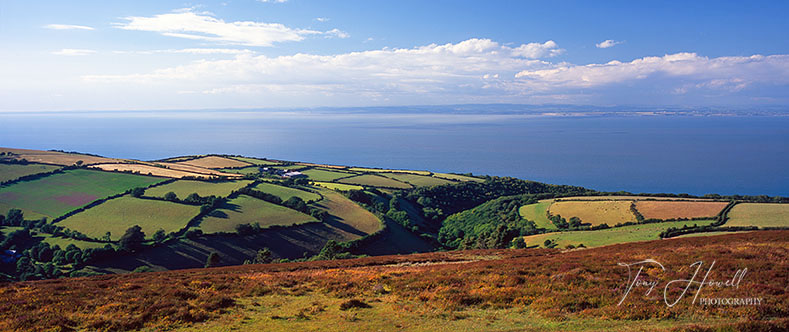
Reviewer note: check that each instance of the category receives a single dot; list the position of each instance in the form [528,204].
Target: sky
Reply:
[151,55]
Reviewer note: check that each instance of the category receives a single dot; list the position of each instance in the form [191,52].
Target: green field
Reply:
[375,181]
[117,215]
[634,233]
[245,171]
[538,213]
[417,180]
[12,172]
[256,161]
[380,170]
[48,238]
[286,192]
[249,210]
[58,194]
[707,234]
[456,177]
[183,188]
[325,176]
[759,214]
[338,186]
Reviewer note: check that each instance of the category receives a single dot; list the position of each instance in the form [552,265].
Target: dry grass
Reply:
[464,290]
[323,165]
[58,158]
[215,162]
[382,170]
[677,209]
[148,169]
[594,212]
[759,214]
[195,169]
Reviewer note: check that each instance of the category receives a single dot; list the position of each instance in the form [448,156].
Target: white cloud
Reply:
[322,19]
[474,70]
[608,43]
[73,52]
[722,72]
[231,51]
[427,69]
[202,26]
[67,27]
[537,50]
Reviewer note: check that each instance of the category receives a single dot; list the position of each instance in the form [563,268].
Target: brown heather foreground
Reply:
[531,289]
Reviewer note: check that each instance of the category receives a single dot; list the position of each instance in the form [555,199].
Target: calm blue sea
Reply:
[678,154]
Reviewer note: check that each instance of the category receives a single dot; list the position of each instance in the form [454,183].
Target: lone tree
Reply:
[212,260]
[132,239]
[138,192]
[171,196]
[159,236]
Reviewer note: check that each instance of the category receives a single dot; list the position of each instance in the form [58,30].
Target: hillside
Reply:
[75,214]
[543,289]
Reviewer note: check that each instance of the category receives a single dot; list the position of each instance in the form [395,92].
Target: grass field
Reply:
[215,162]
[338,186]
[349,213]
[58,158]
[152,170]
[48,238]
[629,198]
[678,209]
[538,213]
[195,169]
[55,195]
[375,181]
[708,234]
[417,180]
[759,214]
[255,161]
[286,192]
[183,188]
[456,177]
[117,215]
[381,170]
[603,237]
[594,212]
[322,165]
[242,171]
[324,175]
[249,210]
[12,172]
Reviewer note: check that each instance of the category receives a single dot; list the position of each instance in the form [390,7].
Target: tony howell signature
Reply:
[638,280]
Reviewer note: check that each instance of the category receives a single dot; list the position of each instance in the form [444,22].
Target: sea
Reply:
[634,152]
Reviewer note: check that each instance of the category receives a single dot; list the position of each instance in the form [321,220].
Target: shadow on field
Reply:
[291,242]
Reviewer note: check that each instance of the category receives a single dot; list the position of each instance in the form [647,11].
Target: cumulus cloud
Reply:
[189,51]
[537,50]
[73,52]
[67,27]
[188,24]
[426,69]
[738,71]
[467,71]
[608,43]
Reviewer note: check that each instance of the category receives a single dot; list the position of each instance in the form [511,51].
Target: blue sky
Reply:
[93,55]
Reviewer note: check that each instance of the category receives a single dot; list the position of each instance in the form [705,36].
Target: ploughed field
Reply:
[533,289]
